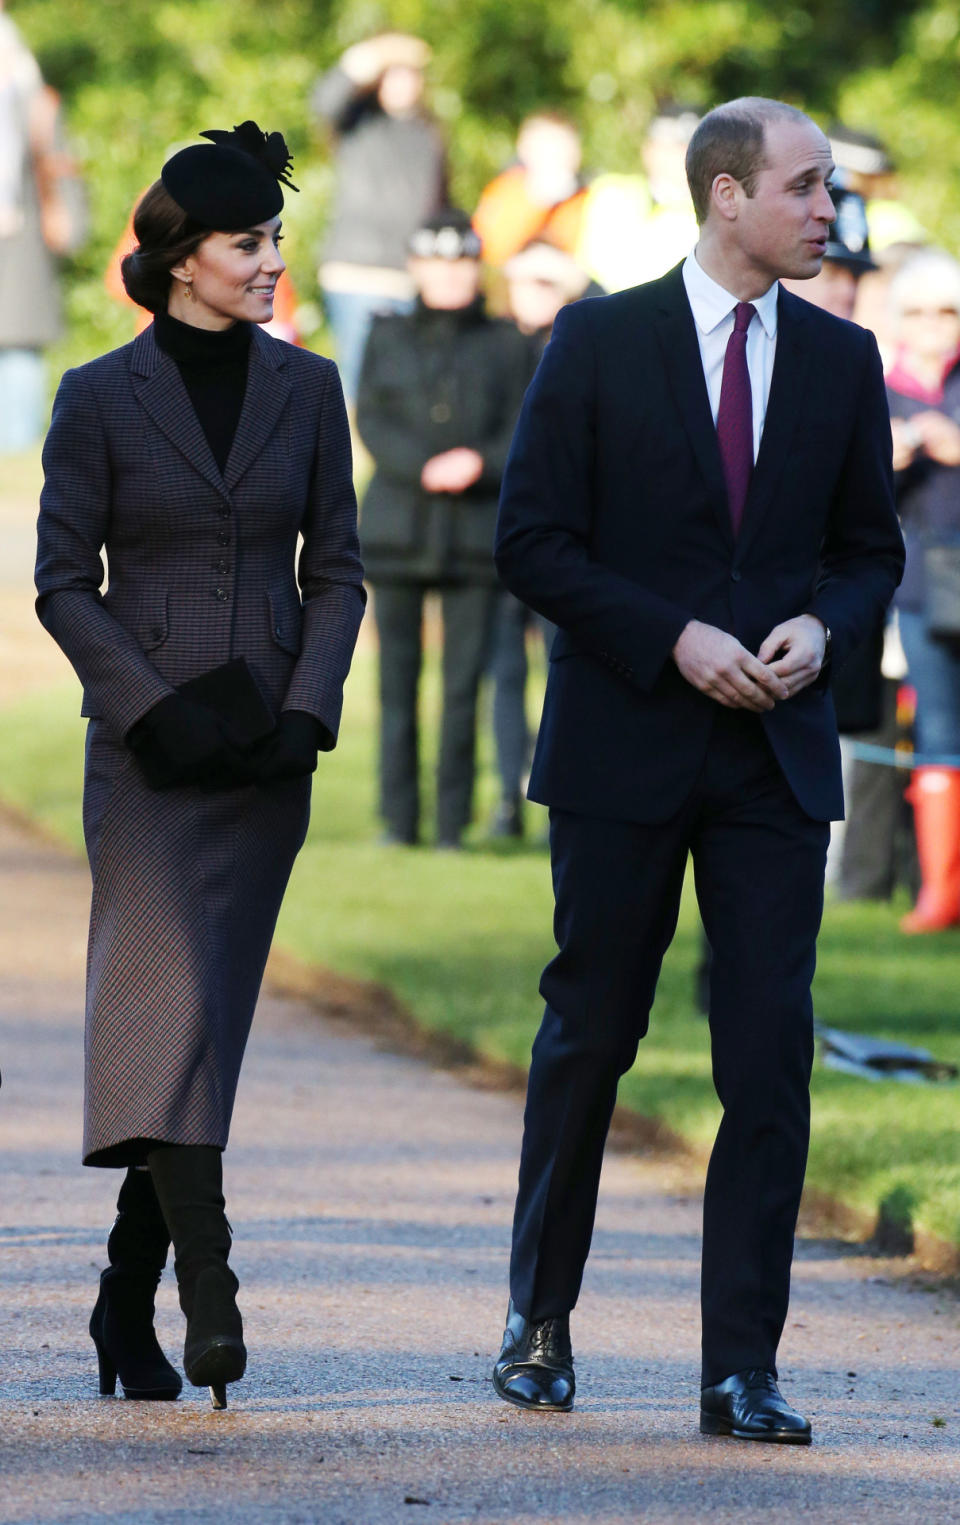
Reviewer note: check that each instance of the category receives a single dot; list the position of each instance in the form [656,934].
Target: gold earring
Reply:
[188,291]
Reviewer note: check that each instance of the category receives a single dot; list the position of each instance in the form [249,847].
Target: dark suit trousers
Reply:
[467,620]
[759,864]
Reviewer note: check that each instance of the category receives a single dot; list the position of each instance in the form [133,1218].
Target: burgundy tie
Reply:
[735,415]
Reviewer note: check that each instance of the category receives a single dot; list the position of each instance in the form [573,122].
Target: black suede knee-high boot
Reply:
[189,1184]
[121,1324]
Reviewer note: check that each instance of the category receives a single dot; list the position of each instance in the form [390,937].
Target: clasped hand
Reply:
[718,665]
[452,471]
[180,742]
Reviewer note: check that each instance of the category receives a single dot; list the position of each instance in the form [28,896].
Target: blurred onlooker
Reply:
[636,227]
[391,173]
[923,388]
[540,280]
[867,168]
[42,216]
[439,395]
[873,309]
[541,196]
[847,258]
[865,856]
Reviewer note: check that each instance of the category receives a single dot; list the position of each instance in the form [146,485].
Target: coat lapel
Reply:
[268,388]
[677,335]
[785,404]
[159,387]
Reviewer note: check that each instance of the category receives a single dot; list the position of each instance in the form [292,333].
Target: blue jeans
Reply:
[23,399]
[351,315]
[934,671]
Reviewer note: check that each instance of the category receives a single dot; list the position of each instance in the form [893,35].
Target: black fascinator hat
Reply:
[232,182]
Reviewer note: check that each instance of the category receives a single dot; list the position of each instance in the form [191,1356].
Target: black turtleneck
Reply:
[213,364]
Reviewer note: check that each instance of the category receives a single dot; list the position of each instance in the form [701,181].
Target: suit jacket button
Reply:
[220,594]
[735,575]
[223,537]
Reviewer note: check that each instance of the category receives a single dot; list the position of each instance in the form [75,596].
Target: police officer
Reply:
[439,395]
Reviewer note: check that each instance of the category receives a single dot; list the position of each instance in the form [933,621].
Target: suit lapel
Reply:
[787,391]
[268,388]
[677,335]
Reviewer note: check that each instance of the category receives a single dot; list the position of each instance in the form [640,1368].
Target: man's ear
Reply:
[725,194]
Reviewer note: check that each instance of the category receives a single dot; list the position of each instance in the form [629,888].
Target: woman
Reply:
[923,388]
[194,456]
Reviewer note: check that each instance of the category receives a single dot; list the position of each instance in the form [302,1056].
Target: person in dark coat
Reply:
[923,390]
[439,397]
[700,495]
[540,280]
[194,457]
[391,173]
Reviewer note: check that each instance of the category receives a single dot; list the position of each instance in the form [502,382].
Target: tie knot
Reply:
[742,314]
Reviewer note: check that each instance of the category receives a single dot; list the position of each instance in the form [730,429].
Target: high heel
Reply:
[188,1181]
[121,1324]
[107,1368]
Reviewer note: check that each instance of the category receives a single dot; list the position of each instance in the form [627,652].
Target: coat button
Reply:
[277,631]
[223,537]
[735,575]
[220,566]
[440,413]
[223,512]
[221,595]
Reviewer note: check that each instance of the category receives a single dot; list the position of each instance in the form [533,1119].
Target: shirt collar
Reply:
[711,303]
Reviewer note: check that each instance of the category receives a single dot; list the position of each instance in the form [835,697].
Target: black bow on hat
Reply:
[233,181]
[269,147]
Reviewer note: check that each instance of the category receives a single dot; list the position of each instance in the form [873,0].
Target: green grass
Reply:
[461,940]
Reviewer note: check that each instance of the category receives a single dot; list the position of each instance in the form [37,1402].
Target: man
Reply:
[391,173]
[440,391]
[699,494]
[636,227]
[541,196]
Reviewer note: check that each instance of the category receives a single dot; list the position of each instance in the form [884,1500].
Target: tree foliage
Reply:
[140,75]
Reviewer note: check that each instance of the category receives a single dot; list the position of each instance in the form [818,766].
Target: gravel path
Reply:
[371,1197]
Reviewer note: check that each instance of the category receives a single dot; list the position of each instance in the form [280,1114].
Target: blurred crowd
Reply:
[439,317]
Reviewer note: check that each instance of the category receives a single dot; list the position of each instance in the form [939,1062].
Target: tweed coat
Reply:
[203,567]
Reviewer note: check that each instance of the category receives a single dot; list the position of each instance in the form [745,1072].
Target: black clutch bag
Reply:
[234,694]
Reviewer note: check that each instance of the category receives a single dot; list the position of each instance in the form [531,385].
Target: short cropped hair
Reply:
[730,141]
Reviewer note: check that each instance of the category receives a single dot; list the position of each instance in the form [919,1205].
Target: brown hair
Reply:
[730,141]
[165,237]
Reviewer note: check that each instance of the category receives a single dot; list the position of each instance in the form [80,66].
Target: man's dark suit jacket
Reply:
[614,524]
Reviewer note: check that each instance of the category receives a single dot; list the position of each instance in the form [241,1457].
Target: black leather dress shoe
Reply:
[750,1406]
[535,1366]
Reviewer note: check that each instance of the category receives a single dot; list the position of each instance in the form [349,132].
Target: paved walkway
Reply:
[371,1198]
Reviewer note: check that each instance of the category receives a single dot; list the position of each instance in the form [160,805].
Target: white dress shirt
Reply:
[712,308]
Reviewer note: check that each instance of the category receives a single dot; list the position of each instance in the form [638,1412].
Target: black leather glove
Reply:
[288,752]
[181,742]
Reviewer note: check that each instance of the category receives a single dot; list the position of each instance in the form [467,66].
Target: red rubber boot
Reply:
[934,794]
